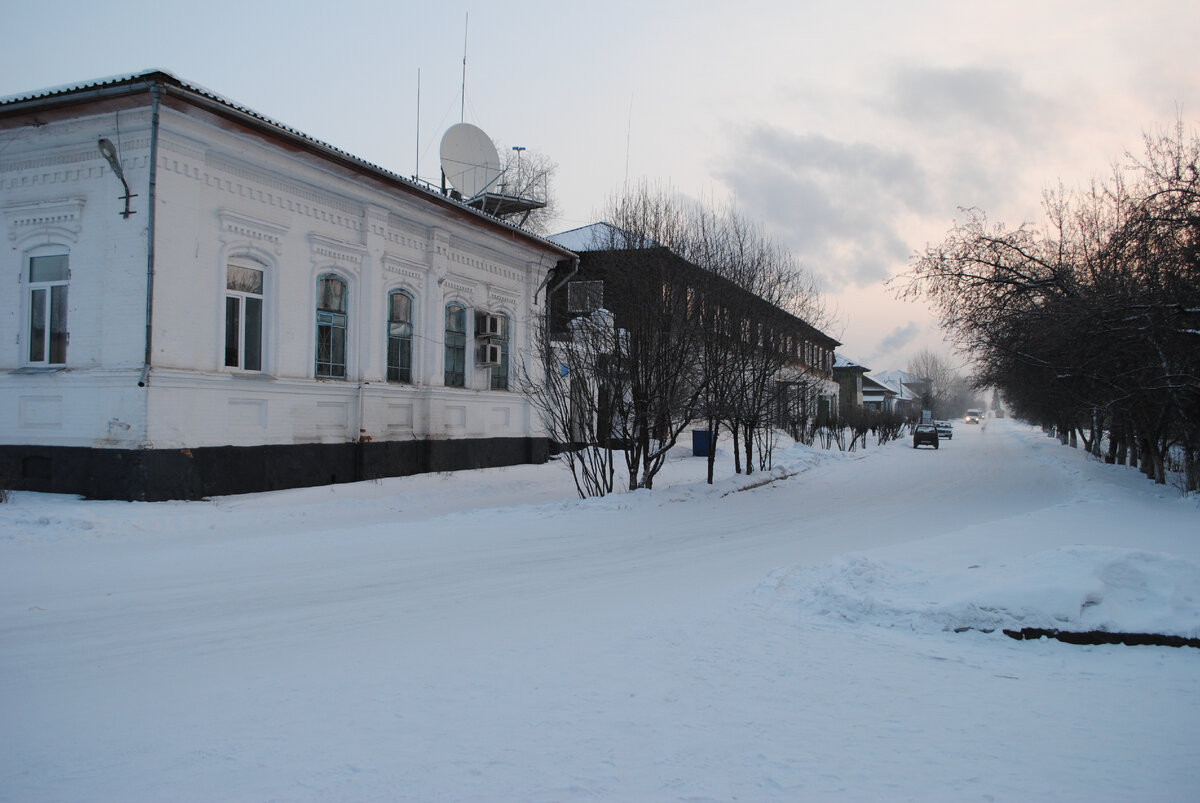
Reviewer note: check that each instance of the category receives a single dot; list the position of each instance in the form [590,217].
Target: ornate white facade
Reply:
[146,353]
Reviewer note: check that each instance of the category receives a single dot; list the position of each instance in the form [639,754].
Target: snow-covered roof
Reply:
[897,381]
[871,387]
[599,237]
[842,361]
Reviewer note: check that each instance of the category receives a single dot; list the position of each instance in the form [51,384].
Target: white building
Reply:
[201,301]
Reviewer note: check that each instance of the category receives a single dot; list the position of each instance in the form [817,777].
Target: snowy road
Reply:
[487,636]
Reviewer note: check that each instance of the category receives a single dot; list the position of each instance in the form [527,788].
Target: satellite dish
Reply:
[469,159]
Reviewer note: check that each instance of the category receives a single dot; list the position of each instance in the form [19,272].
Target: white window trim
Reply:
[25,337]
[251,263]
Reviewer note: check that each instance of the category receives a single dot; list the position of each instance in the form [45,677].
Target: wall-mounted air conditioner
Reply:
[488,325]
[488,354]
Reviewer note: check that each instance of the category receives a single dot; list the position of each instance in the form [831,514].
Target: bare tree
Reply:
[657,390]
[529,175]
[1088,323]
[568,382]
[751,335]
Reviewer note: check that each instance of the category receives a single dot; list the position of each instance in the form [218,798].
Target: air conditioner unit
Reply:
[488,325]
[489,354]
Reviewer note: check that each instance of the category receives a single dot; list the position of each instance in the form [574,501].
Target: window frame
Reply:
[242,299]
[52,308]
[498,376]
[454,354]
[585,295]
[328,319]
[401,340]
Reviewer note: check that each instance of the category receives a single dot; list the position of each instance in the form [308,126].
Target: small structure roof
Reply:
[842,362]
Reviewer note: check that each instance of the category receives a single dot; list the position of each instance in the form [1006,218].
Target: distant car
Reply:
[945,430]
[973,416]
[925,434]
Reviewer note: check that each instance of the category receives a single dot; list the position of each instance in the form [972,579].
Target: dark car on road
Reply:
[925,434]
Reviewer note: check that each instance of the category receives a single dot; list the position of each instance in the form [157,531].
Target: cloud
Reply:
[898,338]
[977,96]
[976,126]
[833,204]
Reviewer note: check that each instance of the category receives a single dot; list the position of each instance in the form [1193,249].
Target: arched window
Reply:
[244,314]
[456,346]
[500,370]
[48,277]
[399,337]
[331,327]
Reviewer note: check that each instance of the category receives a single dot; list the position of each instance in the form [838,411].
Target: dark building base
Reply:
[156,475]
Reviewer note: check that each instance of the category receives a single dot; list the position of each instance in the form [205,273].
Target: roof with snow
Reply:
[844,362]
[600,237]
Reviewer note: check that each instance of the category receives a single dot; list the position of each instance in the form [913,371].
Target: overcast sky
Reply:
[853,131]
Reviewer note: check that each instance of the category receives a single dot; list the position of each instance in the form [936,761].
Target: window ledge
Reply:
[37,369]
[252,376]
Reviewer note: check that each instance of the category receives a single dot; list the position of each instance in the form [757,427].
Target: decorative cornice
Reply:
[500,298]
[63,216]
[235,225]
[462,288]
[392,264]
[344,254]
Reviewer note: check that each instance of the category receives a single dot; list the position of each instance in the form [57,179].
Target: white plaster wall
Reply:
[224,192]
[57,191]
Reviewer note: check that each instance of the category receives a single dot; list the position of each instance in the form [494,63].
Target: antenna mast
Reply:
[462,108]
[417,162]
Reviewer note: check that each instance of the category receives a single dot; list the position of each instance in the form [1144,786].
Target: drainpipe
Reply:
[156,92]
[564,280]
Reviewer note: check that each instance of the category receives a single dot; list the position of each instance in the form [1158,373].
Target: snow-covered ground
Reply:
[488,636]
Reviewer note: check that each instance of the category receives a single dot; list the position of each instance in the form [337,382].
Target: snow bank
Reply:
[1077,589]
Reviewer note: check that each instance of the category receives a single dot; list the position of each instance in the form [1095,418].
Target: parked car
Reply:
[945,430]
[925,434]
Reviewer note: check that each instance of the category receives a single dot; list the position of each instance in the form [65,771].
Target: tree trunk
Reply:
[748,445]
[713,428]
[734,430]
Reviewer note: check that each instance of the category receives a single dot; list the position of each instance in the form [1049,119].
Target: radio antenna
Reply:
[462,108]
[417,163]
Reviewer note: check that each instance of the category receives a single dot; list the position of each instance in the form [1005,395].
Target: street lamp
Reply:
[518,149]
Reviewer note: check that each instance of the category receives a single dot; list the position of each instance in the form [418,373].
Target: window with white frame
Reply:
[500,370]
[456,346]
[48,278]
[244,314]
[331,327]
[399,337]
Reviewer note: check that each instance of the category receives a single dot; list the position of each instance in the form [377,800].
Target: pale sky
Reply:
[853,131]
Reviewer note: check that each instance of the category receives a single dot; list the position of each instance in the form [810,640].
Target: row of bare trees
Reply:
[703,318]
[945,391]
[1090,323]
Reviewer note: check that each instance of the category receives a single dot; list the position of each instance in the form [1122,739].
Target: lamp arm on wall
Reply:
[110,155]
